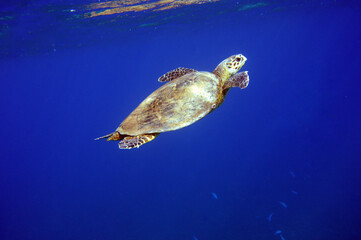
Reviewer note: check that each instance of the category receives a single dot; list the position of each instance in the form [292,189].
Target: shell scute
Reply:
[175,105]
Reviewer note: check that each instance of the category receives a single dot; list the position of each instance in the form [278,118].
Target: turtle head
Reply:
[229,66]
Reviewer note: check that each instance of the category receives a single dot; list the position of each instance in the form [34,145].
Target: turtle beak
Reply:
[244,58]
[240,60]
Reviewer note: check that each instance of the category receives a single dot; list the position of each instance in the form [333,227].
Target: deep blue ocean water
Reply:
[282,154]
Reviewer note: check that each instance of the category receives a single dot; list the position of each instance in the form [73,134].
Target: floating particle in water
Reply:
[282,238]
[277,232]
[214,195]
[293,174]
[294,192]
[283,204]
[195,238]
[270,217]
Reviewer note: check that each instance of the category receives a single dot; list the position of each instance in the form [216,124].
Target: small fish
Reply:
[270,217]
[294,192]
[283,204]
[277,232]
[293,174]
[214,195]
[282,238]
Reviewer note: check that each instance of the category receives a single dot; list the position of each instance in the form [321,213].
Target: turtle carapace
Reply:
[186,97]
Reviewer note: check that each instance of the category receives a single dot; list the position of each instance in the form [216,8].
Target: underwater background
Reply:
[278,160]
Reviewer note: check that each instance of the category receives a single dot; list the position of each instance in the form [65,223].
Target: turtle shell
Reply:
[174,105]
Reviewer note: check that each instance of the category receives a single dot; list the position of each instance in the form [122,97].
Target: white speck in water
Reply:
[294,192]
[214,195]
[283,204]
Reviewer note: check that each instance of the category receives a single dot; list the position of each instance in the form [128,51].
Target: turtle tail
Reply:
[112,136]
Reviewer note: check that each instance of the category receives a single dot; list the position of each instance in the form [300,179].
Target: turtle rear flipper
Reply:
[130,142]
[176,73]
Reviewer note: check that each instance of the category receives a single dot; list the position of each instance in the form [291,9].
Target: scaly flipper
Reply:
[238,80]
[136,141]
[176,73]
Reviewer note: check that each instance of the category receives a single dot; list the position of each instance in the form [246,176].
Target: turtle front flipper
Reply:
[176,73]
[130,142]
[240,80]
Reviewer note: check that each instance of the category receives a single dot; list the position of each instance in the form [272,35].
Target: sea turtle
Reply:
[188,96]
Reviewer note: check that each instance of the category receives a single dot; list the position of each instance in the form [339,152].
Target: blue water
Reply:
[281,155]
